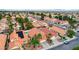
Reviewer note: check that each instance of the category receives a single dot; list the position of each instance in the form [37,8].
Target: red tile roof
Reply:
[47,31]
[53,33]
[15,43]
[35,31]
[58,30]
[54,20]
[38,23]
[13,36]
[15,39]
[2,41]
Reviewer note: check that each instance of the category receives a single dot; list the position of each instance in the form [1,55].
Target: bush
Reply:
[76,48]
[70,33]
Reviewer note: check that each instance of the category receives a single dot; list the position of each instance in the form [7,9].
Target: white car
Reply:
[66,42]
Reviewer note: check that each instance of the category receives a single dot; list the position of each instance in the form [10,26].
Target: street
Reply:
[69,46]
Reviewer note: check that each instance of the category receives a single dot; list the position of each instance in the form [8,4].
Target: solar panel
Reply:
[20,34]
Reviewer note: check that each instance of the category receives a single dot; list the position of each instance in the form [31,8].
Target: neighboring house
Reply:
[59,30]
[48,21]
[13,19]
[39,24]
[4,20]
[64,22]
[54,35]
[31,18]
[53,21]
[37,17]
[3,25]
[3,38]
[17,15]
[47,31]
[35,24]
[35,31]
[17,39]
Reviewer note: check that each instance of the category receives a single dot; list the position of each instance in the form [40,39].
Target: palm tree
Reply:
[34,42]
[39,36]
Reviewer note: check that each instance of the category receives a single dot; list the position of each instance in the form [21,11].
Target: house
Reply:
[4,20]
[58,30]
[3,38]
[37,17]
[53,21]
[13,19]
[64,22]
[17,40]
[3,25]
[35,24]
[47,31]
[31,18]
[54,36]
[35,31]
[17,15]
[17,44]
[38,23]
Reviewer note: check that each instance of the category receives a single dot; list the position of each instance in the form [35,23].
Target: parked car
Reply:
[66,42]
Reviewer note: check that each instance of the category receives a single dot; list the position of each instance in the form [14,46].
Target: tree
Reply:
[42,16]
[10,28]
[39,36]
[72,22]
[29,25]
[56,17]
[38,14]
[70,33]
[20,21]
[65,18]
[59,17]
[31,12]
[26,20]
[10,25]
[0,16]
[50,16]
[76,48]
[34,41]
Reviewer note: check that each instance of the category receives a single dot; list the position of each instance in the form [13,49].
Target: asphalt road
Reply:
[69,46]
